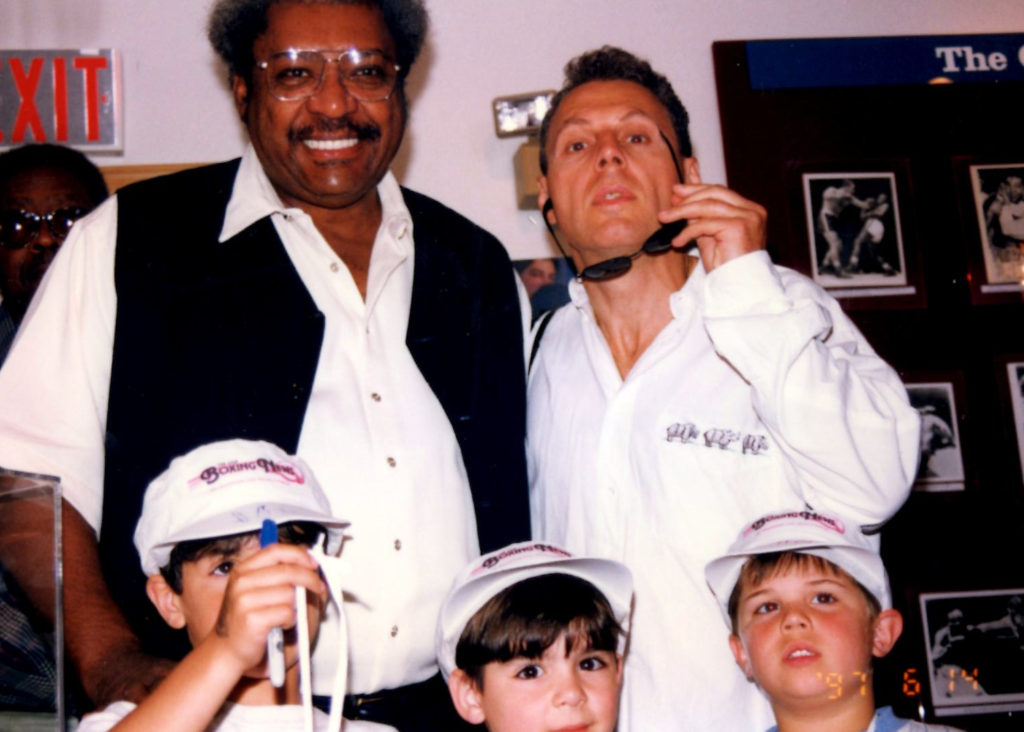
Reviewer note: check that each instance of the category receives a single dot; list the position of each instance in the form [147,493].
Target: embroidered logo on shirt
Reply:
[688,433]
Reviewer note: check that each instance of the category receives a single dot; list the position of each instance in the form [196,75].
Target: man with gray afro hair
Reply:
[299,296]
[235,24]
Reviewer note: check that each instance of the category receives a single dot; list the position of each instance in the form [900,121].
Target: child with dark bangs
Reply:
[531,638]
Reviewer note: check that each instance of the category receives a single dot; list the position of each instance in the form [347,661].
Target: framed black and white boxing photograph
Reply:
[855,232]
[974,642]
[997,194]
[942,464]
[1015,378]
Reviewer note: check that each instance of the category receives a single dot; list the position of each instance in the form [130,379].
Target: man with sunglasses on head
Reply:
[301,297]
[43,190]
[689,385]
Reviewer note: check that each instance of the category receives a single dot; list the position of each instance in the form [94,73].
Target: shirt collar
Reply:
[682,300]
[253,197]
[394,216]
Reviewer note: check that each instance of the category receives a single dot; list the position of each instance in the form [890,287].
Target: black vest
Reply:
[221,340]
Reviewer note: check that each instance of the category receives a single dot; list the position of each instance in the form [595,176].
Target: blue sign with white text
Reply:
[906,60]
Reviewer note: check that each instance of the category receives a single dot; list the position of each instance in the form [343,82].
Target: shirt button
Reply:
[398,545]
[394,630]
[375,396]
[334,267]
[392,462]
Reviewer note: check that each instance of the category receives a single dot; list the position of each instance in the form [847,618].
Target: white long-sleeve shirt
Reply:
[374,433]
[760,394]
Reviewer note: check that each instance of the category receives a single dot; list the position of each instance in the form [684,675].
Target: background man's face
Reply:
[538,273]
[609,170]
[38,191]
[329,150]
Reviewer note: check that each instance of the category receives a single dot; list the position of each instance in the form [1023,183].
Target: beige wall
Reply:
[177,108]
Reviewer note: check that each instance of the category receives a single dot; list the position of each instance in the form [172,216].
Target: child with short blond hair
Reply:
[807,598]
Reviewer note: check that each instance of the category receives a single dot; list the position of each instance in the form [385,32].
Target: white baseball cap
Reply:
[806,532]
[488,575]
[226,488]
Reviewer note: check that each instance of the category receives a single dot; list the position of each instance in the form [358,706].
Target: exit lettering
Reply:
[64,97]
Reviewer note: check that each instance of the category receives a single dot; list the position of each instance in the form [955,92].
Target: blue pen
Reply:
[275,638]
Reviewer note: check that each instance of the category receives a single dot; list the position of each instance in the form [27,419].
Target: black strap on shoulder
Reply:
[542,324]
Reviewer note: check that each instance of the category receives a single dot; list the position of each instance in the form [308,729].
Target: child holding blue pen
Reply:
[224,538]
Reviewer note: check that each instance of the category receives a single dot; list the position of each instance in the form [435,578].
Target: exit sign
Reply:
[67,97]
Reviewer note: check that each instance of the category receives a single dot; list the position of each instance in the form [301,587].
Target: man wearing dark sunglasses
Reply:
[689,387]
[301,296]
[43,190]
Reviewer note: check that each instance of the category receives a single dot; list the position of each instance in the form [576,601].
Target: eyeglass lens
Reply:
[20,228]
[293,75]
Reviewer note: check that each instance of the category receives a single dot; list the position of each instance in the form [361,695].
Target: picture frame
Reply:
[975,658]
[997,195]
[992,262]
[855,231]
[941,468]
[859,242]
[1015,382]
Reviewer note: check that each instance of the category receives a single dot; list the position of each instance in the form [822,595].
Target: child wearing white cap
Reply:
[199,541]
[530,638]
[807,599]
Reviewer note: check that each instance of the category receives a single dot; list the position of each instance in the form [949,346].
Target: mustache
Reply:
[368,131]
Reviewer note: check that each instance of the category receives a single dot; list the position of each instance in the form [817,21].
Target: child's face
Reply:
[554,692]
[806,636]
[203,584]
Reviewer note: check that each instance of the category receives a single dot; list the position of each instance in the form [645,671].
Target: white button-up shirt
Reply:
[758,395]
[374,434]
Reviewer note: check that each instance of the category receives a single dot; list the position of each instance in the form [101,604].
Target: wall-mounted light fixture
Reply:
[521,114]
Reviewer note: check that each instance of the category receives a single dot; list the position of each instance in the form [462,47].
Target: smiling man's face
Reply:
[329,150]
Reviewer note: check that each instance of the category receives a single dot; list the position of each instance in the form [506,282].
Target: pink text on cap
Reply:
[768,522]
[210,475]
[493,561]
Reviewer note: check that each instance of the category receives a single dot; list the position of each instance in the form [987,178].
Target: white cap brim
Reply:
[239,522]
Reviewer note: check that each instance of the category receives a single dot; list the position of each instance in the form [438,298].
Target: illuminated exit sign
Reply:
[67,97]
